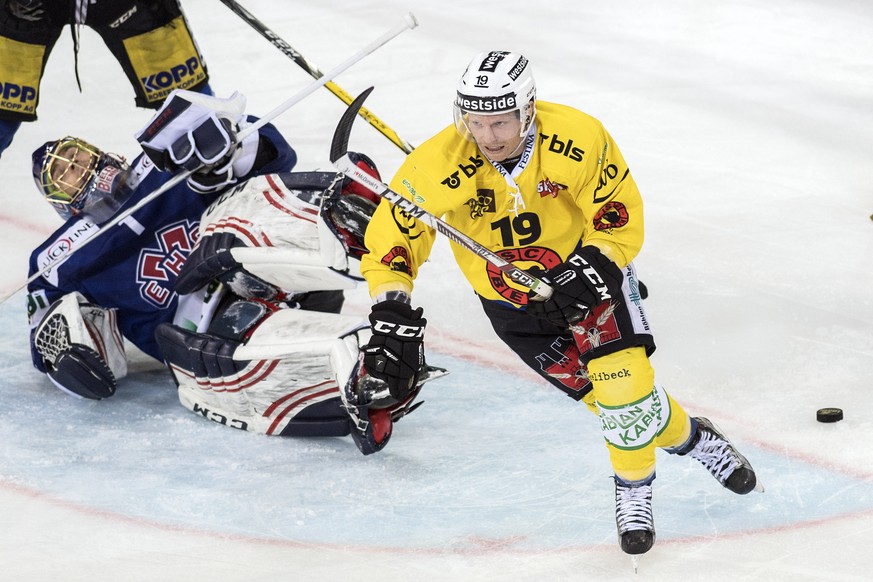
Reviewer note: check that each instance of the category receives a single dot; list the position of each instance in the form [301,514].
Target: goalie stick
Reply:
[310,68]
[409,22]
[341,161]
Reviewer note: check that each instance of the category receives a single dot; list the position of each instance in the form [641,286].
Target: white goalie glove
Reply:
[80,347]
[194,131]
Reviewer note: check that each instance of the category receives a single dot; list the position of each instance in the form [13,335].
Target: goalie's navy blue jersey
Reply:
[134,265]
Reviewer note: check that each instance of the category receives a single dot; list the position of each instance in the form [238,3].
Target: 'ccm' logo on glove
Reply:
[586,279]
[395,352]
[590,272]
[398,330]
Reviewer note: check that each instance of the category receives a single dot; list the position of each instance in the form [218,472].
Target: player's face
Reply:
[498,136]
[70,170]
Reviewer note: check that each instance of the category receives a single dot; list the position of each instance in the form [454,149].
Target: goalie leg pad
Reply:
[81,348]
[289,394]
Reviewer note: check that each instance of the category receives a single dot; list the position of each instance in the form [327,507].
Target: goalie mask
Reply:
[78,178]
[349,209]
[496,82]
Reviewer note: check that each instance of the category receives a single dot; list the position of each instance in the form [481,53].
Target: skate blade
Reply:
[758,487]
[635,562]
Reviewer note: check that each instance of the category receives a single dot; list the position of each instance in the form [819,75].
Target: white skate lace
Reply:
[633,508]
[716,454]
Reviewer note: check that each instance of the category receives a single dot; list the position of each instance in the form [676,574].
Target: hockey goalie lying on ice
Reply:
[233,278]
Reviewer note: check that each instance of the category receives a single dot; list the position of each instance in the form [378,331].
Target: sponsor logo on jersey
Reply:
[611,215]
[563,147]
[469,170]
[636,298]
[180,76]
[406,223]
[139,171]
[416,197]
[37,306]
[484,202]
[609,174]
[548,188]
[74,236]
[21,98]
[160,265]
[397,259]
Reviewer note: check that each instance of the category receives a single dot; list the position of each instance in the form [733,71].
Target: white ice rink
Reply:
[749,128]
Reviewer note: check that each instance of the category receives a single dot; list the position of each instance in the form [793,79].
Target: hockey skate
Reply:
[633,516]
[720,457]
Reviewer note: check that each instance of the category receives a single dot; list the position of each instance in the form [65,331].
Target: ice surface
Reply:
[747,127]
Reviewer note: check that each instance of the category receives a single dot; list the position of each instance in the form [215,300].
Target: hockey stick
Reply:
[340,159]
[409,22]
[310,68]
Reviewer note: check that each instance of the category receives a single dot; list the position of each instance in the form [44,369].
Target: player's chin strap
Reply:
[340,159]
[409,22]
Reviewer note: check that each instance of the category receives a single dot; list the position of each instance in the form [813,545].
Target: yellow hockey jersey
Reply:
[574,188]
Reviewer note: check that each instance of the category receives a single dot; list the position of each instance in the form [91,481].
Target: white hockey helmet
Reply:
[496,82]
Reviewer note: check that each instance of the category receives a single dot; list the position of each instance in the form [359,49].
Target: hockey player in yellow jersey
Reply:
[545,187]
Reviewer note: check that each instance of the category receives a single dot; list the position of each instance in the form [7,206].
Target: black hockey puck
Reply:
[829,414]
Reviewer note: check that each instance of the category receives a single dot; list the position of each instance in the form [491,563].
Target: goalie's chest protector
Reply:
[134,265]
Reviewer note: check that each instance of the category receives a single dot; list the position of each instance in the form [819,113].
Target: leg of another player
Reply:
[7,132]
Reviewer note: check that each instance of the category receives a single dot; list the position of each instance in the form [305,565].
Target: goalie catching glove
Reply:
[585,280]
[197,132]
[395,352]
[79,347]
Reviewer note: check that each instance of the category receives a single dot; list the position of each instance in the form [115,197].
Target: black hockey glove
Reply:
[212,259]
[395,352]
[586,279]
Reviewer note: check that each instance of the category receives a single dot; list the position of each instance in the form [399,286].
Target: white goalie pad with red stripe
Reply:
[289,371]
[286,241]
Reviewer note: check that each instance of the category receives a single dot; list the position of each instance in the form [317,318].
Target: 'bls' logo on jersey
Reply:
[159,266]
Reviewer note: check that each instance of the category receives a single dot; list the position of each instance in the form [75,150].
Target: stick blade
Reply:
[340,143]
